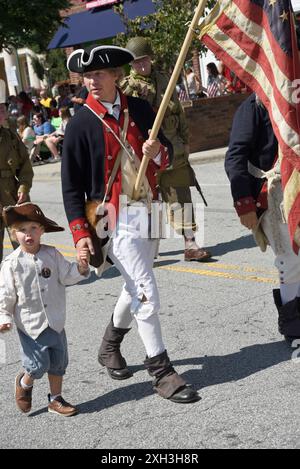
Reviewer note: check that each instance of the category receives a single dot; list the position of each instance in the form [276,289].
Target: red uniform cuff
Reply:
[245,205]
[79,229]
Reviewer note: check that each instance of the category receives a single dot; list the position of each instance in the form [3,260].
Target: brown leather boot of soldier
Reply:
[200,255]
[23,397]
[61,407]
[167,382]
[288,317]
[109,353]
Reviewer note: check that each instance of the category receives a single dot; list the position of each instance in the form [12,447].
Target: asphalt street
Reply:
[220,329]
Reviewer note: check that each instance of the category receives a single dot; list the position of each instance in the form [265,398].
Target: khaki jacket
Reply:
[16,172]
[152,89]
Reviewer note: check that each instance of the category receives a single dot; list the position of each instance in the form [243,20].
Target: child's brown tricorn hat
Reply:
[28,211]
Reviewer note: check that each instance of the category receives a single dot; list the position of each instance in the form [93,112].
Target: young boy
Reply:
[32,290]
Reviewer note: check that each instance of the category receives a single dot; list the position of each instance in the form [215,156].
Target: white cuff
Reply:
[157,159]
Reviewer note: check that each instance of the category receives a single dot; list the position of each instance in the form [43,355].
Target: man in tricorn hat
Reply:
[103,146]
[146,82]
[15,168]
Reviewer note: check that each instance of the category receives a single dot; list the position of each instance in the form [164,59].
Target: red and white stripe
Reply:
[240,35]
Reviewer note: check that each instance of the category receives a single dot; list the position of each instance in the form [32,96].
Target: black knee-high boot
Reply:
[288,317]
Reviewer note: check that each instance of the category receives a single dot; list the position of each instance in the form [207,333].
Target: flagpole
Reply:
[169,91]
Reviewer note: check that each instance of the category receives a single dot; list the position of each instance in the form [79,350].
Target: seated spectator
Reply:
[26,133]
[57,136]
[42,129]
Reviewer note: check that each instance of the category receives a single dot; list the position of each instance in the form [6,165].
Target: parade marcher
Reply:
[104,143]
[148,83]
[32,293]
[253,169]
[15,168]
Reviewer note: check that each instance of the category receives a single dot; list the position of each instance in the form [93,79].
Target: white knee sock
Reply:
[150,333]
[289,291]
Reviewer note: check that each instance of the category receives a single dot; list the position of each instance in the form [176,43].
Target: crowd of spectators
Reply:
[41,119]
[220,81]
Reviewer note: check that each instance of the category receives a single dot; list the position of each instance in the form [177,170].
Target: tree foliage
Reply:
[166,29]
[52,66]
[29,23]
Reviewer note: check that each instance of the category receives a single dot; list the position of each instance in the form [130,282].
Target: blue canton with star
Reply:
[279,13]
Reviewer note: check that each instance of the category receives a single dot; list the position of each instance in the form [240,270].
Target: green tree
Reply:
[55,62]
[166,29]
[31,23]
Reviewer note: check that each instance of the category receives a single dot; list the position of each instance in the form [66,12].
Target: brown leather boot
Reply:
[200,255]
[23,397]
[167,382]
[288,317]
[109,353]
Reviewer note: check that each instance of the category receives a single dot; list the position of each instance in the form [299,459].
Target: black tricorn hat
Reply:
[98,57]
[28,211]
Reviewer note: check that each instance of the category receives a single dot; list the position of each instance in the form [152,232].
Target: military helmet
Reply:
[139,47]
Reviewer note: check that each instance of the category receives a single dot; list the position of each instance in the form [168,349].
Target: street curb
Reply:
[209,156]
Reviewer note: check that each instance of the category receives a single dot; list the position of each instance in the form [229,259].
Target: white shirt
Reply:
[32,289]
[113,109]
[28,138]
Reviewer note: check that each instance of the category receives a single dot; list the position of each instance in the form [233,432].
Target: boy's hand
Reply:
[5,327]
[83,256]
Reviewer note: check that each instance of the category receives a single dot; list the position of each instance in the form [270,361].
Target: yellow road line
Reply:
[227,275]
[71,252]
[217,265]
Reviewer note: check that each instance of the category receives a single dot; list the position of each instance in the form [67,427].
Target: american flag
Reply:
[182,95]
[256,39]
[212,89]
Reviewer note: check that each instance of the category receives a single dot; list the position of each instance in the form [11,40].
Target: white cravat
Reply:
[113,109]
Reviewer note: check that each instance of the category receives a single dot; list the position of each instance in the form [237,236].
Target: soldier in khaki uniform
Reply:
[146,82]
[15,168]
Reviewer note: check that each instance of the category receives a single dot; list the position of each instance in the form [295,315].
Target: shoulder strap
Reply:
[123,132]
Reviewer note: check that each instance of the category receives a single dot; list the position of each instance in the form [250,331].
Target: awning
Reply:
[95,24]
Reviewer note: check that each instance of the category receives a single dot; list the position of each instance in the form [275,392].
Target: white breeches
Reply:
[133,256]
[286,261]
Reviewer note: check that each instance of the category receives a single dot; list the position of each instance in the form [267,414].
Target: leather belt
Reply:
[6,173]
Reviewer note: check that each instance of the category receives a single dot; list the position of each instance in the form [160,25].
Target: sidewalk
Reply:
[51,171]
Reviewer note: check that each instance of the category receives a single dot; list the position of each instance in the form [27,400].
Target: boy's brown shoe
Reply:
[23,397]
[61,407]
